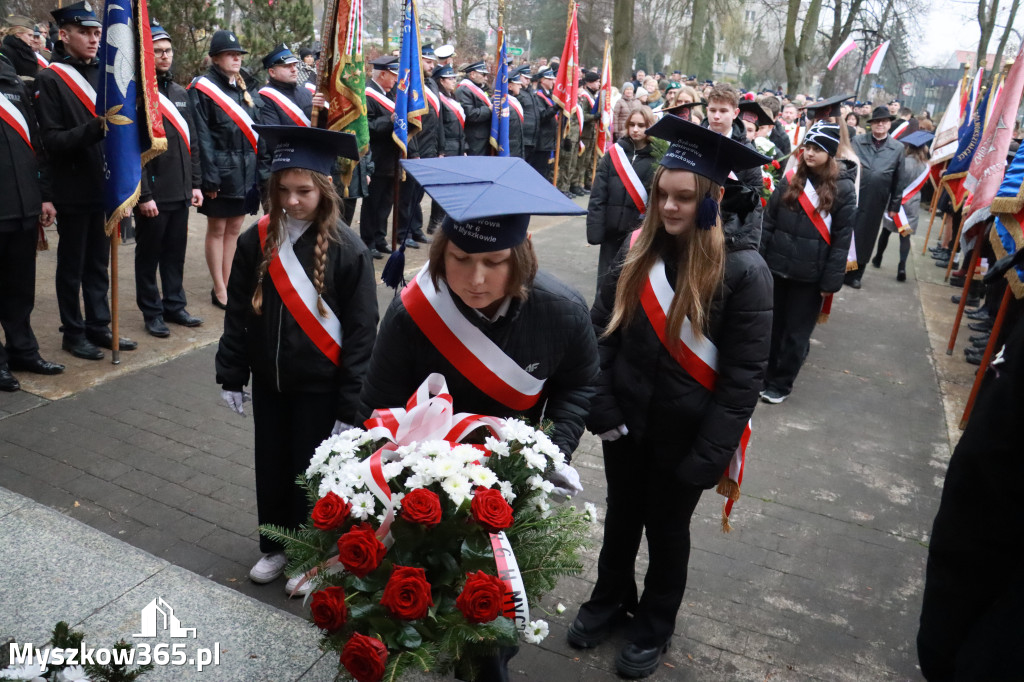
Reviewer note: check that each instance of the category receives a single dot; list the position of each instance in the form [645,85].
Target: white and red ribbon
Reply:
[432,99]
[514,606]
[41,60]
[916,185]
[515,106]
[310,87]
[627,174]
[231,108]
[475,356]
[173,116]
[289,107]
[473,88]
[14,118]
[809,202]
[79,86]
[300,297]
[456,108]
[900,129]
[381,99]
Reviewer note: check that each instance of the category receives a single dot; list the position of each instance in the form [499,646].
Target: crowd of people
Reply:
[725,221]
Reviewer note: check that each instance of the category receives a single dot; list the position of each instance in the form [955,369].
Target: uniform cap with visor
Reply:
[280,55]
[159,32]
[79,13]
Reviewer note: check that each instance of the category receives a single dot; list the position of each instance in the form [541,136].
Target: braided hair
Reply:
[325,220]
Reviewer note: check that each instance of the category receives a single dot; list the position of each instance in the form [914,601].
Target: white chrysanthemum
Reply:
[32,672]
[458,488]
[497,447]
[506,491]
[560,608]
[392,469]
[534,459]
[542,505]
[445,467]
[396,500]
[482,476]
[416,481]
[74,673]
[590,511]
[535,482]
[362,505]
[536,632]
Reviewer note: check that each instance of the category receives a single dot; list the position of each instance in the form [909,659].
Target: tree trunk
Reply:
[622,40]
[841,30]
[1006,34]
[385,20]
[695,41]
[987,23]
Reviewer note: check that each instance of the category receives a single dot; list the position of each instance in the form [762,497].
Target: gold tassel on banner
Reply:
[726,527]
[730,490]
[822,318]
[851,266]
[41,243]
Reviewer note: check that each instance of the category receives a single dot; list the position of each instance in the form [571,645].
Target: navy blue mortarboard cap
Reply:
[488,199]
[827,107]
[389,62]
[703,151]
[79,13]
[225,41]
[159,32]
[444,71]
[755,113]
[314,149]
[918,138]
[279,55]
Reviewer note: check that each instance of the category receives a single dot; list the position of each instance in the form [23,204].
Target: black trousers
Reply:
[643,493]
[289,427]
[540,159]
[83,255]
[410,217]
[18,290]
[865,235]
[373,214]
[606,257]
[883,242]
[160,245]
[797,305]
[348,210]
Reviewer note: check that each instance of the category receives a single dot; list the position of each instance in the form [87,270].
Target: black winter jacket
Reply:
[793,247]
[547,121]
[429,141]
[531,111]
[611,213]
[454,135]
[22,56]
[229,164]
[72,136]
[274,348]
[170,178]
[515,133]
[478,120]
[690,430]
[26,180]
[382,144]
[548,332]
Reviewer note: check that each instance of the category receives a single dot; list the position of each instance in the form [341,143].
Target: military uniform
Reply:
[373,215]
[569,155]
[590,102]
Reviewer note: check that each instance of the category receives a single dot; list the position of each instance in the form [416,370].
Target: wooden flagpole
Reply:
[558,137]
[115,344]
[954,245]
[327,56]
[935,205]
[975,257]
[600,104]
[993,337]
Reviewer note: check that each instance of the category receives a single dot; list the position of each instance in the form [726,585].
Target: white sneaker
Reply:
[269,568]
[289,587]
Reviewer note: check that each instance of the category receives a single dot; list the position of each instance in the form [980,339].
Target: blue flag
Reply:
[499,101]
[115,100]
[409,101]
[969,136]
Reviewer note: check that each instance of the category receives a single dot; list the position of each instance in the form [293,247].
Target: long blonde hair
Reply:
[699,259]
[325,220]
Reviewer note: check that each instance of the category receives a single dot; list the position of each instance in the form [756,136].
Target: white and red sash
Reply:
[173,116]
[900,130]
[79,86]
[432,99]
[310,87]
[286,105]
[473,88]
[41,60]
[300,297]
[475,356]
[12,115]
[797,134]
[590,98]
[515,106]
[231,108]
[809,202]
[381,99]
[456,109]
[698,357]
[901,220]
[630,180]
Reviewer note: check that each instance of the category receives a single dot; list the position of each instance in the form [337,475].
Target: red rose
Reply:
[491,510]
[364,658]
[360,551]
[422,506]
[329,609]
[482,598]
[407,594]
[776,165]
[330,512]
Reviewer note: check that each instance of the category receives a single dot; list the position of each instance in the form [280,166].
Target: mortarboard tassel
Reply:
[393,273]
[707,213]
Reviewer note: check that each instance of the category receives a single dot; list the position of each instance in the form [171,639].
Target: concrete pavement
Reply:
[821,578]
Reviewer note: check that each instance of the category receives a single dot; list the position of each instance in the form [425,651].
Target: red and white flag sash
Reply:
[899,130]
[432,98]
[456,109]
[473,88]
[590,98]
[809,202]
[231,108]
[464,345]
[41,60]
[289,107]
[627,174]
[14,118]
[310,87]
[916,185]
[173,116]
[381,99]
[300,297]
[902,222]
[797,134]
[78,85]
[515,106]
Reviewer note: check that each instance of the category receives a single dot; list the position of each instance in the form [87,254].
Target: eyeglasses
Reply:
[163,53]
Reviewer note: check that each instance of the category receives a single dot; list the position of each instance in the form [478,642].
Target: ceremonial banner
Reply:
[499,100]
[969,140]
[874,63]
[342,72]
[986,171]
[604,123]
[135,132]
[409,101]
[846,48]
[567,83]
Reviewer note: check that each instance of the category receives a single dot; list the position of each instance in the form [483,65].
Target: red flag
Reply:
[567,83]
[989,162]
[604,126]
[874,63]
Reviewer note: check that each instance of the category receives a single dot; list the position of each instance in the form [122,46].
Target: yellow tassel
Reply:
[822,318]
[851,265]
[726,527]
[728,488]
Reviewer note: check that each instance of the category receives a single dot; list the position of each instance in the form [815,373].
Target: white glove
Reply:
[340,426]
[567,481]
[235,400]
[615,434]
